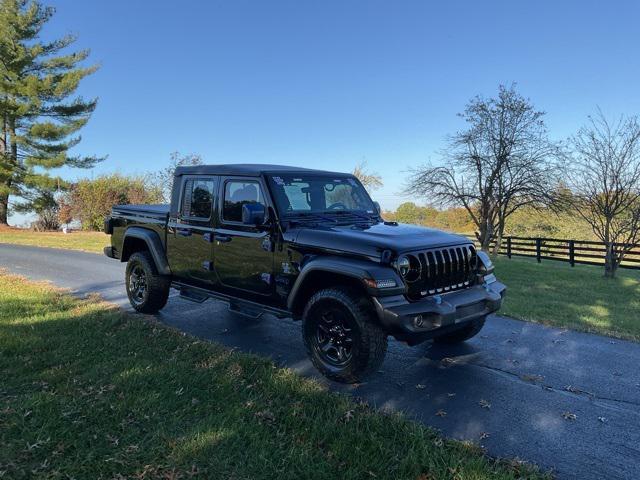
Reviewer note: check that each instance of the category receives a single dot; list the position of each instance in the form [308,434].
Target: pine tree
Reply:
[39,114]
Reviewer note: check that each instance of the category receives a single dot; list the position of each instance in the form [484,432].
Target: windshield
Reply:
[300,194]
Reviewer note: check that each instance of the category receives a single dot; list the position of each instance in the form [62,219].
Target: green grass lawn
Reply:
[90,392]
[92,242]
[580,298]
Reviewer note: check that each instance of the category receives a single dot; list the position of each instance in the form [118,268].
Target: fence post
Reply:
[572,253]
[538,245]
[509,247]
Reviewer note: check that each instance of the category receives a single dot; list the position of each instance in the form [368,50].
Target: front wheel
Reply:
[470,330]
[147,291]
[341,337]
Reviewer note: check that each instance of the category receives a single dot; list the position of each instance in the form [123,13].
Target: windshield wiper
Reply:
[297,217]
[363,216]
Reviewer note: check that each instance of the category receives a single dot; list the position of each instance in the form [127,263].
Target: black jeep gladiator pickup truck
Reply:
[310,245]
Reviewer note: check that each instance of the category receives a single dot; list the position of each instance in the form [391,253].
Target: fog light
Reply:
[418,321]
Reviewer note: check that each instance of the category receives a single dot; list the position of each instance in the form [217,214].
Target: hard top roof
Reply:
[247,169]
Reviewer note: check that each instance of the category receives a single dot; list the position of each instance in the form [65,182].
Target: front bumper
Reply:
[415,322]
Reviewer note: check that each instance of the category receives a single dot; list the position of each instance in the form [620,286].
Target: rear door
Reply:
[243,253]
[190,232]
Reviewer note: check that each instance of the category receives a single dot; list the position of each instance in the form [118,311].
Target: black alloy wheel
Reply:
[137,285]
[333,339]
[342,335]
[148,291]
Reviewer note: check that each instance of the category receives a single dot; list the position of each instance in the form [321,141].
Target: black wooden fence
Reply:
[572,251]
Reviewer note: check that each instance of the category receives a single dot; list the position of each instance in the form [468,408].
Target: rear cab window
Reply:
[197,199]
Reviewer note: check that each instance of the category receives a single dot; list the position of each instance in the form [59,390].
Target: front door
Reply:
[190,232]
[243,253]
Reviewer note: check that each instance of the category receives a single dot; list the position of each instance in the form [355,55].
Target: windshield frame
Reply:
[271,184]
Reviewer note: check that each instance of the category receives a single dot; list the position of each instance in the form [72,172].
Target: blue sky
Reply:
[329,84]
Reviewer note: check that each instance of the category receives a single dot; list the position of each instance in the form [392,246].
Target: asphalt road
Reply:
[509,389]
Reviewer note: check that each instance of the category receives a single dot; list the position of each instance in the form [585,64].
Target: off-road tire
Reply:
[369,342]
[156,292]
[465,333]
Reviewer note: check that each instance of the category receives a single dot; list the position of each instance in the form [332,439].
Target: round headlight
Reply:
[409,268]
[404,265]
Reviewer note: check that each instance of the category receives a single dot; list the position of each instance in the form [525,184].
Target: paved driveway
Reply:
[509,389]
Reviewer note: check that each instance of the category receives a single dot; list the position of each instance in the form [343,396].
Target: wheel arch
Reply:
[137,239]
[326,272]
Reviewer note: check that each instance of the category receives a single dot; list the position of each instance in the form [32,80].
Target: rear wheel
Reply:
[147,290]
[341,337]
[465,333]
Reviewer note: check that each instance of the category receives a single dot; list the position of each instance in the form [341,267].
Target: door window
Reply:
[236,194]
[197,199]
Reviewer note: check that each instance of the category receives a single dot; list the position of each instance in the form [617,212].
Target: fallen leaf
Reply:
[569,416]
[485,404]
[441,413]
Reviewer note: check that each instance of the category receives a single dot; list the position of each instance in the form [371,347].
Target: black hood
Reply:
[373,240]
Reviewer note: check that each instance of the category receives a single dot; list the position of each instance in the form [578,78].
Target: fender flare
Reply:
[154,244]
[357,269]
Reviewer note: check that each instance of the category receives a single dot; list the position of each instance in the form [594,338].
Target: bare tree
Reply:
[502,162]
[162,180]
[604,178]
[370,180]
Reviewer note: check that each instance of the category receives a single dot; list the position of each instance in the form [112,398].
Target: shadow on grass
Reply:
[89,393]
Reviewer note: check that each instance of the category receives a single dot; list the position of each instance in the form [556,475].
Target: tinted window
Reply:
[198,198]
[236,194]
[318,193]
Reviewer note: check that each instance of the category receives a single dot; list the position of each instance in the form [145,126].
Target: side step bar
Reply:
[192,295]
[245,310]
[236,305]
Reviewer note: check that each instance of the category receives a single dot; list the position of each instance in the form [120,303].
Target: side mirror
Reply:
[253,214]
[378,208]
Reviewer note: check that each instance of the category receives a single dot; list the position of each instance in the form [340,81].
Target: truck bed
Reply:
[158,212]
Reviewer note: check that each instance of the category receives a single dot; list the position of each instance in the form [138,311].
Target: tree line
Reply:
[504,161]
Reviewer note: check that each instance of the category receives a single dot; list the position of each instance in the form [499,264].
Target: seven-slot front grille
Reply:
[444,269]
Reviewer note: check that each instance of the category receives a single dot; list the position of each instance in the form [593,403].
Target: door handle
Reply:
[222,238]
[185,232]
